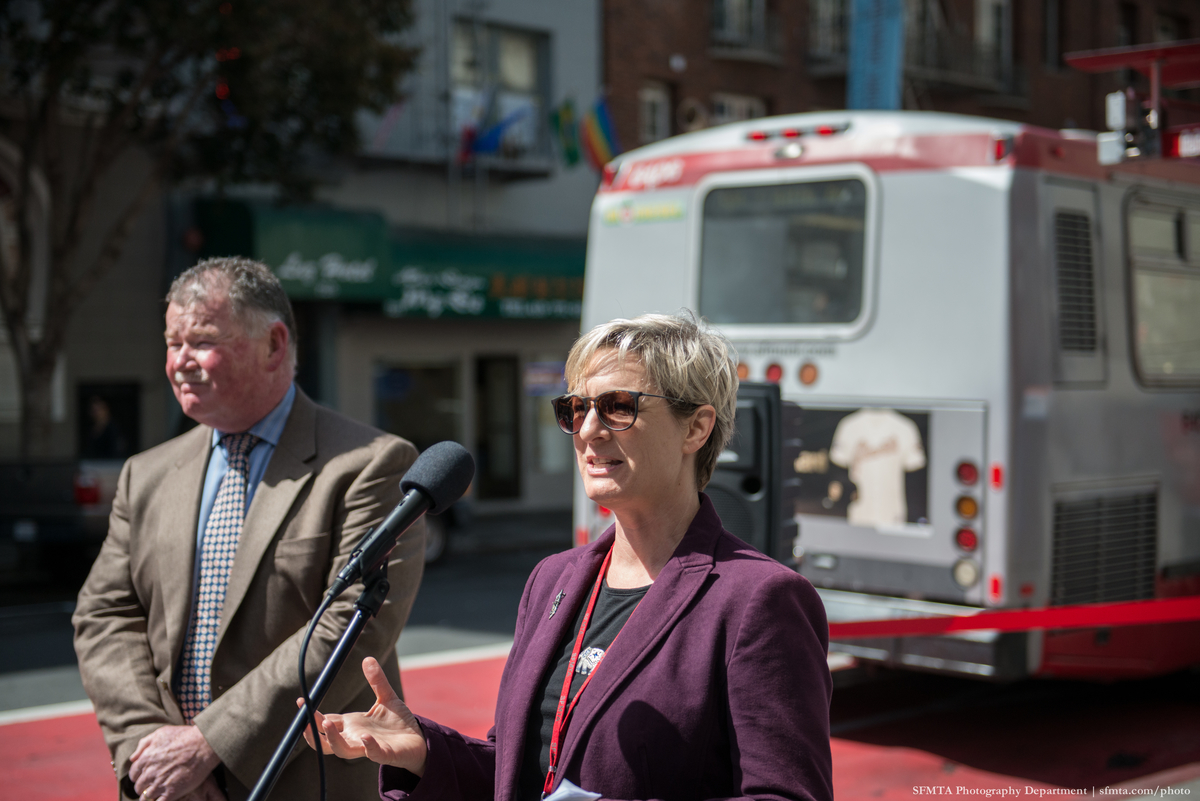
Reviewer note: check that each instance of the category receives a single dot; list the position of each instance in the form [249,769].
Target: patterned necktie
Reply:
[221,534]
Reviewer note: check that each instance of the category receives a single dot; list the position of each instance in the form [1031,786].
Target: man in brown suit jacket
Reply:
[316,483]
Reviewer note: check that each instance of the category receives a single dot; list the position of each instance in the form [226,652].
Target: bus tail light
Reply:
[758,136]
[808,374]
[995,588]
[967,473]
[743,371]
[966,539]
[774,373]
[967,507]
[790,133]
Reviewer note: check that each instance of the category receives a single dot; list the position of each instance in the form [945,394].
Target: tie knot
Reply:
[239,444]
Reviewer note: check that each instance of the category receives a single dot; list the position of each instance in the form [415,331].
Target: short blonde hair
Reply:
[684,358]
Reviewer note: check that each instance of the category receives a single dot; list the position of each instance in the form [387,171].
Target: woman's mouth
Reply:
[601,464]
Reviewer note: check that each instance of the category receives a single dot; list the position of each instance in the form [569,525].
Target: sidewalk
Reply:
[58,753]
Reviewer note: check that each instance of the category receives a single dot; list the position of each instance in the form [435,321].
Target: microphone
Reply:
[435,481]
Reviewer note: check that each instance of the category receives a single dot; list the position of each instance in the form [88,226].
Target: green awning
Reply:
[332,254]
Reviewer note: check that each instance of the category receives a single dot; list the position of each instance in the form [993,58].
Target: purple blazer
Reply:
[718,686]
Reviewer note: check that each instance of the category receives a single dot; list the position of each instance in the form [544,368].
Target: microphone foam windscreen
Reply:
[443,472]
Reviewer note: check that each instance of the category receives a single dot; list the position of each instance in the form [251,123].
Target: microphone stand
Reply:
[375,592]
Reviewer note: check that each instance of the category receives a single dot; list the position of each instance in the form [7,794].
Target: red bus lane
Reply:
[896,735]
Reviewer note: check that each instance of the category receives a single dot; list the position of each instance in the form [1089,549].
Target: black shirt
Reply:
[613,608]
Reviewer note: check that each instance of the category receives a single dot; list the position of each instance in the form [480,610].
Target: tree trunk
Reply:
[36,379]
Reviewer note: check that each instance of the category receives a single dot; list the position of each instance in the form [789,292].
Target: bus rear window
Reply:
[784,253]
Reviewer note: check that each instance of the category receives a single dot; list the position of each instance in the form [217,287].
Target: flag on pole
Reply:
[598,137]
[490,140]
[566,132]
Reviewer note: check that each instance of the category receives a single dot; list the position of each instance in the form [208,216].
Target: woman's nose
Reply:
[592,427]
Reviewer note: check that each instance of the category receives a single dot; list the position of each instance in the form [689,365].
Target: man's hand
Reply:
[387,734]
[171,762]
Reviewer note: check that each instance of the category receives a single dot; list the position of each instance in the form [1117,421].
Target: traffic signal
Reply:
[1137,126]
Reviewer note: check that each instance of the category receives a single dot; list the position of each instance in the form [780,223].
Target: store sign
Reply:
[331,254]
[324,276]
[430,293]
[454,293]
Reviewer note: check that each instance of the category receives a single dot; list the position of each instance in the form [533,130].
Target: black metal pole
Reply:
[367,606]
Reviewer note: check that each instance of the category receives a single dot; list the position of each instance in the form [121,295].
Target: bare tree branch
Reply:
[71,294]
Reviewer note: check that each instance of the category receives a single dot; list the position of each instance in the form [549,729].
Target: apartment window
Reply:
[739,22]
[1169,28]
[654,112]
[734,108]
[990,35]
[499,86]
[828,28]
[1127,24]
[1054,29]
[1164,259]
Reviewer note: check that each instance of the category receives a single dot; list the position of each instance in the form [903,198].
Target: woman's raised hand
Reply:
[387,733]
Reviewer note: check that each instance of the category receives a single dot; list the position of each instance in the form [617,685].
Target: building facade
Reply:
[674,65]
[438,277]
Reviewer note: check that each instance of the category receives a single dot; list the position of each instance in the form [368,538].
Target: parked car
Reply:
[54,515]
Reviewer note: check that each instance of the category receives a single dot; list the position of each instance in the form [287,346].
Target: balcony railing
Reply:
[933,52]
[745,29]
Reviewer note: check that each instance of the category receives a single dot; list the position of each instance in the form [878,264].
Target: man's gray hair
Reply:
[684,358]
[256,298]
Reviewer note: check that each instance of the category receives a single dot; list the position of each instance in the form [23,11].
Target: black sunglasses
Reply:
[617,409]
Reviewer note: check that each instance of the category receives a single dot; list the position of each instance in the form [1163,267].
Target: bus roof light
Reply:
[808,374]
[790,133]
[1004,147]
[758,136]
[743,371]
[774,373]
[826,130]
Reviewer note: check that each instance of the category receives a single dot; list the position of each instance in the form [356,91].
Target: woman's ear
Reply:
[699,428]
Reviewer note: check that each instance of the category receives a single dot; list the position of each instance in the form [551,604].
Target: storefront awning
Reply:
[322,253]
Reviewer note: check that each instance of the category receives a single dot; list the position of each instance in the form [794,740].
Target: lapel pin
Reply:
[554,607]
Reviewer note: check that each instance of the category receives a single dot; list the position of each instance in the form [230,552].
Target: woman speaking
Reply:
[666,660]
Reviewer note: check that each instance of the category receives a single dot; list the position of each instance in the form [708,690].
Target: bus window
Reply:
[1166,292]
[783,253]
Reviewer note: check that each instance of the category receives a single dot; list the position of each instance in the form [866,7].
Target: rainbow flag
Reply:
[597,135]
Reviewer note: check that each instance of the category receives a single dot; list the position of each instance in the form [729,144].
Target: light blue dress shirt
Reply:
[268,430]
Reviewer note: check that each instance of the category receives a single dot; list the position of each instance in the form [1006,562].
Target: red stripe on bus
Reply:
[1035,148]
[1131,613]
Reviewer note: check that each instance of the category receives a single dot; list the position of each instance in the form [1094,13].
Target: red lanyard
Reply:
[564,710]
